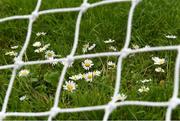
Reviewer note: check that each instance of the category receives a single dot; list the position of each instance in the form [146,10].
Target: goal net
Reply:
[109,107]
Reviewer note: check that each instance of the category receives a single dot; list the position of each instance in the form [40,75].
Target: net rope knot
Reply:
[174,102]
[84,7]
[2,116]
[124,52]
[34,15]
[69,60]
[111,106]
[54,111]
[18,63]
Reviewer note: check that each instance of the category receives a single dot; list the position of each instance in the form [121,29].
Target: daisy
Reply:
[37,51]
[87,64]
[147,46]
[120,97]
[54,63]
[84,75]
[43,33]
[40,33]
[22,98]
[92,47]
[70,86]
[146,80]
[159,69]
[113,48]
[11,53]
[85,48]
[111,65]
[171,36]
[134,46]
[143,89]
[46,46]
[96,73]
[23,73]
[109,41]
[76,77]
[36,44]
[158,61]
[49,54]
[42,49]
[80,76]
[14,47]
[89,76]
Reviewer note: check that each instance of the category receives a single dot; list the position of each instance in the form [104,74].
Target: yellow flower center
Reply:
[89,76]
[87,64]
[69,87]
[24,73]
[50,54]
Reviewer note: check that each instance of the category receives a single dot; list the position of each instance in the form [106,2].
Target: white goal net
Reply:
[173,102]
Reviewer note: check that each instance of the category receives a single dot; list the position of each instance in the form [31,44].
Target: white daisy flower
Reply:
[37,50]
[11,53]
[111,65]
[23,73]
[22,98]
[46,46]
[147,46]
[158,61]
[143,89]
[87,64]
[40,33]
[14,47]
[92,47]
[42,49]
[76,77]
[36,44]
[84,75]
[54,63]
[49,54]
[159,69]
[80,76]
[85,48]
[89,76]
[43,33]
[120,97]
[109,41]
[134,46]
[96,73]
[113,48]
[171,36]
[70,86]
[146,80]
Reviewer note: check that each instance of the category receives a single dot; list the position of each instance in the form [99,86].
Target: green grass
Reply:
[153,19]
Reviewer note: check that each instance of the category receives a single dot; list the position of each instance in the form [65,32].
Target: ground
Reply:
[152,21]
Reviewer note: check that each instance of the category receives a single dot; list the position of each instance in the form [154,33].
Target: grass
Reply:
[153,19]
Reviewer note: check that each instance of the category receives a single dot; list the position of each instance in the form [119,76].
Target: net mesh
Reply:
[109,107]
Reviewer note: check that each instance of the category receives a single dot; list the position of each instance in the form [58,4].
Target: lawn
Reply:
[153,20]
